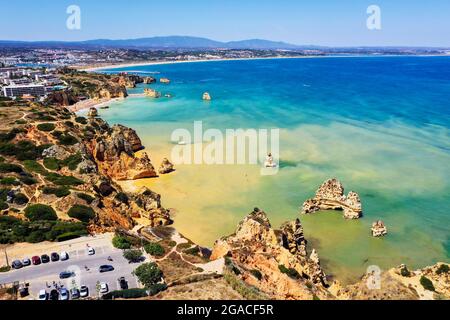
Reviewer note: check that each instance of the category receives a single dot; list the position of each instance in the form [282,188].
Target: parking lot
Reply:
[42,276]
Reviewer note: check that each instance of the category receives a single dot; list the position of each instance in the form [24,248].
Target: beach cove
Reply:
[380,125]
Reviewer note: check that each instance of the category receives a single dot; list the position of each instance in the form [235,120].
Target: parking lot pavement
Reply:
[42,276]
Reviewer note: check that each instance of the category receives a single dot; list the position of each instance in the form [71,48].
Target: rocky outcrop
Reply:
[206,96]
[166,167]
[164,80]
[379,229]
[152,93]
[279,257]
[149,80]
[93,113]
[114,155]
[330,196]
[147,204]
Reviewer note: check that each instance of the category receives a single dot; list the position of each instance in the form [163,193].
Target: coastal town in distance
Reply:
[103,194]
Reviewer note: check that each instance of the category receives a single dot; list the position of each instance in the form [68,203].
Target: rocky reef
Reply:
[274,261]
[330,196]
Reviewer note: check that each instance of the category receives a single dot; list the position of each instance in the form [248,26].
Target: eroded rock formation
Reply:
[114,154]
[147,203]
[279,257]
[379,229]
[330,196]
[166,167]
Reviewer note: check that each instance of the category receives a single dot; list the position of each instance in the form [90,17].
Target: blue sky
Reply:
[321,22]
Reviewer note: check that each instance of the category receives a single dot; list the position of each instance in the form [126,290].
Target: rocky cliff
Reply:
[330,196]
[276,262]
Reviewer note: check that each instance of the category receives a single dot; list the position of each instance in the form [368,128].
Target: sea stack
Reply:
[207,96]
[166,167]
[92,113]
[164,80]
[330,196]
[152,93]
[379,229]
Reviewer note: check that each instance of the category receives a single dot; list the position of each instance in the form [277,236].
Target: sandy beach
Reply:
[92,103]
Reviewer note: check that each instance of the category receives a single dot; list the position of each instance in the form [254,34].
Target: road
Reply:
[42,276]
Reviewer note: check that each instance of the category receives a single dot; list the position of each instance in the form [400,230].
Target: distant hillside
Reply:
[170,42]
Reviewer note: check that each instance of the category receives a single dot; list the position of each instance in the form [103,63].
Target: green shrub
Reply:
[122,197]
[64,180]
[51,164]
[5,269]
[68,236]
[82,213]
[148,274]
[28,180]
[9,181]
[121,242]
[193,251]
[20,199]
[126,294]
[59,192]
[292,273]
[427,284]
[23,150]
[37,212]
[67,140]
[132,255]
[3,205]
[154,289]
[256,273]
[9,167]
[154,249]
[46,127]
[72,161]
[86,197]
[81,120]
[443,268]
[33,166]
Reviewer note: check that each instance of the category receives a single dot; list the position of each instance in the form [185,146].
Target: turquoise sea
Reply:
[379,124]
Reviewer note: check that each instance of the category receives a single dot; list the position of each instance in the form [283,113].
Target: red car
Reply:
[36,260]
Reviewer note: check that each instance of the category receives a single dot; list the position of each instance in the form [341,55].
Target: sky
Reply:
[303,22]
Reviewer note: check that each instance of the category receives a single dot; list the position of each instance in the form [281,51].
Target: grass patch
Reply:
[60,192]
[86,197]
[51,164]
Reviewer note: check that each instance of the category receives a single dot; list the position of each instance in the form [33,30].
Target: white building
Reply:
[36,90]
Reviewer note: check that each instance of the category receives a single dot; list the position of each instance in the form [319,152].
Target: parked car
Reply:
[65,274]
[63,294]
[43,295]
[26,262]
[54,295]
[75,293]
[123,283]
[64,256]
[105,268]
[54,256]
[36,260]
[23,291]
[84,291]
[90,251]
[45,258]
[17,264]
[104,287]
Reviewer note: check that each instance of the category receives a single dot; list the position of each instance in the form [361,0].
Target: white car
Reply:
[64,256]
[84,291]
[64,294]
[43,295]
[104,287]
[90,251]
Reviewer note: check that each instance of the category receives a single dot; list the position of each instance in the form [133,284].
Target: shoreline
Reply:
[92,103]
[169,62]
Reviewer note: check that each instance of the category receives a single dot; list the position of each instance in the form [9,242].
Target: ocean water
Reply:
[379,124]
